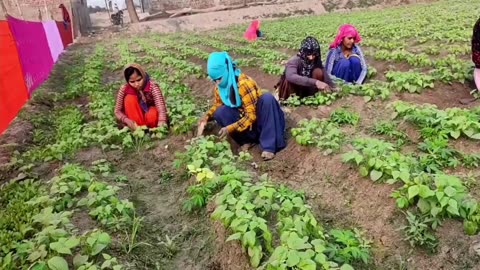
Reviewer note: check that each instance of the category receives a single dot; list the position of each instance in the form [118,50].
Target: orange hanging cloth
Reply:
[13,92]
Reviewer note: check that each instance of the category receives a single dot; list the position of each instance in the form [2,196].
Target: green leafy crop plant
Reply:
[36,230]
[452,122]
[324,134]
[246,205]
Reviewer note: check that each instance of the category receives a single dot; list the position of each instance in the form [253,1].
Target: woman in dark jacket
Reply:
[304,73]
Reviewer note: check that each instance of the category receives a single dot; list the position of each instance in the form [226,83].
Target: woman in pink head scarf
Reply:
[253,31]
[345,59]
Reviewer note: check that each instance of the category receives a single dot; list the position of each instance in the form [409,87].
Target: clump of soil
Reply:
[229,255]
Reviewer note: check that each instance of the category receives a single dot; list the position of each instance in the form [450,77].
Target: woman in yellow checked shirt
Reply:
[241,109]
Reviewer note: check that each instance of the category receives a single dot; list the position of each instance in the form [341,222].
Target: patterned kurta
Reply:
[249,92]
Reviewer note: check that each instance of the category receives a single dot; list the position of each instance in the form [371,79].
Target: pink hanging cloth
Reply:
[251,32]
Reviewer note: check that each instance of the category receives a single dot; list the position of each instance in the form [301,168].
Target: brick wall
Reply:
[31,9]
[42,10]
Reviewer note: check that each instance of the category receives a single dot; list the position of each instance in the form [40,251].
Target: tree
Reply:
[132,13]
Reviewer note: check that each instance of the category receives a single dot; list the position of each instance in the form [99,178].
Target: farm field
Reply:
[385,175]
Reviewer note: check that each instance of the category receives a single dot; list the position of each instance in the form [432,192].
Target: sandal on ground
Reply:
[246,147]
[267,155]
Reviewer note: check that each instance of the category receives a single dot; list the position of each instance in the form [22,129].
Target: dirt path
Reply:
[221,19]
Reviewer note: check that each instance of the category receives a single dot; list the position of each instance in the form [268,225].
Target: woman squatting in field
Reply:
[253,31]
[140,101]
[345,59]
[304,74]
[476,53]
[476,60]
[242,110]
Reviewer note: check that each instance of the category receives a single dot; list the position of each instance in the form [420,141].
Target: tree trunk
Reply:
[132,13]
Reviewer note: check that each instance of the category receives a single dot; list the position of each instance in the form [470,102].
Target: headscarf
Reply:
[309,46]
[251,32]
[221,66]
[129,90]
[346,30]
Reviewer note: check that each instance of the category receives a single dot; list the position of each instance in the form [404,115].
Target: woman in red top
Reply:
[140,101]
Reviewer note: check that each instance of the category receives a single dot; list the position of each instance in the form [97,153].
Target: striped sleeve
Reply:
[159,103]
[363,74]
[217,102]
[330,61]
[249,93]
[119,105]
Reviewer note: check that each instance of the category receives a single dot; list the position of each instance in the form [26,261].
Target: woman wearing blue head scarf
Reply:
[242,110]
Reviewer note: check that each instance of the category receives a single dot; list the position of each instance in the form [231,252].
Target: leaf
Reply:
[444,201]
[363,171]
[435,210]
[108,257]
[450,191]
[402,202]
[72,242]
[319,245]
[375,175]
[425,191]
[439,195]
[79,260]
[39,266]
[256,256]
[470,227]
[405,176]
[104,238]
[412,192]
[307,265]
[292,258]
[358,159]
[60,248]
[57,263]
[346,267]
[249,238]
[97,249]
[423,205]
[235,236]
[453,207]
[287,206]
[280,253]
[455,134]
